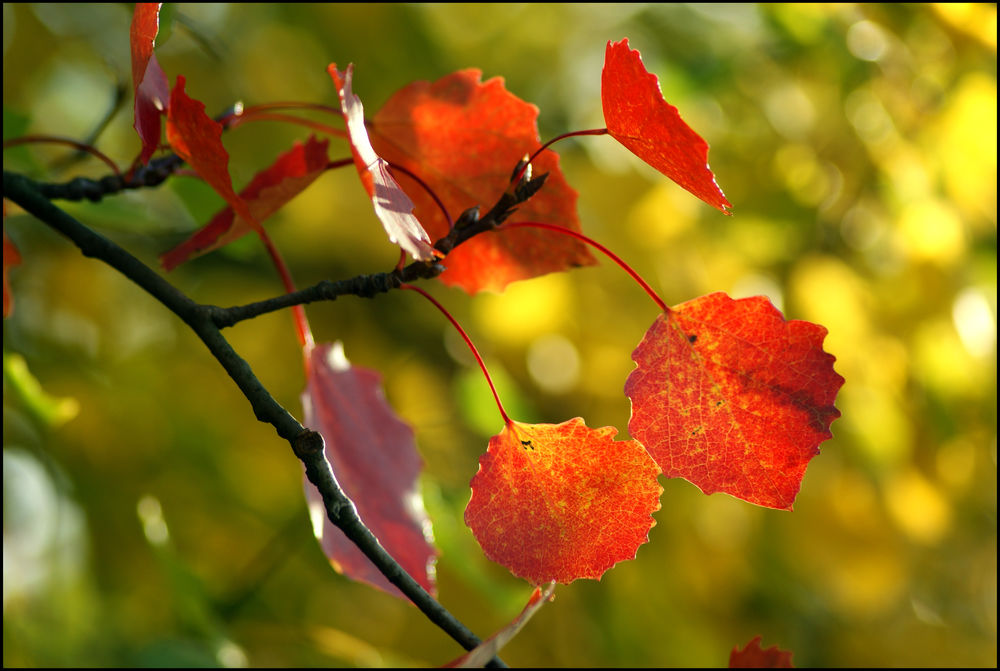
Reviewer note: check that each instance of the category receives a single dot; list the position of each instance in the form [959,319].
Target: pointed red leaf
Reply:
[11,257]
[392,206]
[652,129]
[463,137]
[752,657]
[479,656]
[266,193]
[198,140]
[375,460]
[562,501]
[149,84]
[731,397]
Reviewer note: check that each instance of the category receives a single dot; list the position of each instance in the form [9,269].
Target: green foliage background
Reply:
[149,520]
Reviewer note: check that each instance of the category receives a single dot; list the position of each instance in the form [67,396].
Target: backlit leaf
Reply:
[752,657]
[730,396]
[392,206]
[488,649]
[198,140]
[149,84]
[266,193]
[463,137]
[562,501]
[11,257]
[375,460]
[652,129]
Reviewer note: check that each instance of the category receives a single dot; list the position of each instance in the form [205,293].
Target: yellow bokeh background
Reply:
[149,520]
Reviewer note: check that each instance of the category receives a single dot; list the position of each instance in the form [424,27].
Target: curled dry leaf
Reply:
[562,501]
[730,396]
[392,206]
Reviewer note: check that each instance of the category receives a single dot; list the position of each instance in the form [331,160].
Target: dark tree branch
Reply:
[203,320]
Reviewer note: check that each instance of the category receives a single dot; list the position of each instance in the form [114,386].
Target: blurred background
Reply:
[149,520]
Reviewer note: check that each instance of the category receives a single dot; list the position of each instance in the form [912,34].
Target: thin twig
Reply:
[307,445]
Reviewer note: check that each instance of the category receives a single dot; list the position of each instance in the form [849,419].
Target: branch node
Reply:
[307,444]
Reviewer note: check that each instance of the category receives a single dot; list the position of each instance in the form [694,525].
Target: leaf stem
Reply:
[593,131]
[599,247]
[287,118]
[298,312]
[468,341]
[53,139]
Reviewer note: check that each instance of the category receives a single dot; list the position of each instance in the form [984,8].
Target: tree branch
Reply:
[204,321]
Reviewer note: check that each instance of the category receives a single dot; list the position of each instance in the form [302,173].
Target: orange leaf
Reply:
[11,257]
[562,501]
[752,657]
[149,84]
[392,206]
[488,649]
[463,137]
[198,140]
[375,461]
[652,129]
[731,397]
[266,193]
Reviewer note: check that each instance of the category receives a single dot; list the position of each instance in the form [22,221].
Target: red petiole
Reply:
[468,341]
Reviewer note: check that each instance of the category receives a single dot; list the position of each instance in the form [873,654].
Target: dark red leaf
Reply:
[392,206]
[463,137]
[731,397]
[752,657]
[11,257]
[652,129]
[562,501]
[149,84]
[266,193]
[375,460]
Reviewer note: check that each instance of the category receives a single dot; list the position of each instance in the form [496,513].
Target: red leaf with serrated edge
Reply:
[464,137]
[752,657]
[266,193]
[562,501]
[652,129]
[149,84]
[375,461]
[198,140]
[392,206]
[11,257]
[488,649]
[730,396]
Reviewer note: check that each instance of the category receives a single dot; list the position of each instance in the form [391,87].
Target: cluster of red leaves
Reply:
[726,393]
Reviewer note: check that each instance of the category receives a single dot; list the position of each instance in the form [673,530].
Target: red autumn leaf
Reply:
[562,501]
[149,84]
[488,649]
[731,397]
[752,657]
[198,140]
[652,129]
[375,460]
[392,206]
[266,193]
[463,138]
[11,257]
